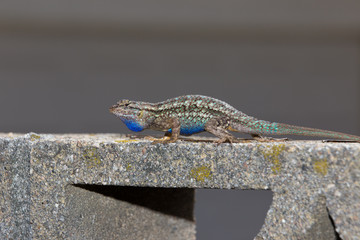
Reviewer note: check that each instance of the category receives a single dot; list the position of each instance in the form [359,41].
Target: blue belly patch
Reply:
[189,130]
[133,125]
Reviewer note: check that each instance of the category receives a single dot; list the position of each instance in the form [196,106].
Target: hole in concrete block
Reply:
[230,214]
[113,212]
[337,236]
[178,202]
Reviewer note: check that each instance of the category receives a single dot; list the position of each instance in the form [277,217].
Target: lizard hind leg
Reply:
[215,127]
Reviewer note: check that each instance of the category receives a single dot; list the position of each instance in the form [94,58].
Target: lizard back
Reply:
[194,111]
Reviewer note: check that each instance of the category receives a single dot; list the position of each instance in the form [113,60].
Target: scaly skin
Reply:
[186,115]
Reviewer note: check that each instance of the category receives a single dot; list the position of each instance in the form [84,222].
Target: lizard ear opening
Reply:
[141,113]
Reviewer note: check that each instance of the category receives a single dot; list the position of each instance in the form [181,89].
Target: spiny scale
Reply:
[191,114]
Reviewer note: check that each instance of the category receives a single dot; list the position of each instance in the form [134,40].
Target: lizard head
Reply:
[133,114]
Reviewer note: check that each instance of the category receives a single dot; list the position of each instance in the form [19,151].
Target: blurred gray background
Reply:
[63,63]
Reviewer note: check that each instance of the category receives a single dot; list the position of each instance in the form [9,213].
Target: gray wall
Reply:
[62,66]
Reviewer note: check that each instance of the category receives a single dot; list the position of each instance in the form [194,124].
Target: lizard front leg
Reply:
[217,127]
[174,125]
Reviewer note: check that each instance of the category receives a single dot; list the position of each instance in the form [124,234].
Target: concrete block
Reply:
[102,186]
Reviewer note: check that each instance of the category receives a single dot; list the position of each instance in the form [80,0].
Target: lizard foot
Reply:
[227,140]
[163,140]
[150,138]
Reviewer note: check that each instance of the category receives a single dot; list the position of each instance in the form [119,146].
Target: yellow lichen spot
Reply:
[272,154]
[321,166]
[125,140]
[200,173]
[34,137]
[92,157]
[128,167]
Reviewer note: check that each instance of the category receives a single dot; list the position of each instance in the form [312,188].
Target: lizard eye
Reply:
[124,102]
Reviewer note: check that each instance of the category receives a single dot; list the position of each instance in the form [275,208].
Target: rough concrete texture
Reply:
[67,186]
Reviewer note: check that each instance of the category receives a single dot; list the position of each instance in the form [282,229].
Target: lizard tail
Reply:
[286,129]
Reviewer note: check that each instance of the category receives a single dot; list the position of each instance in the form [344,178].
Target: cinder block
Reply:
[106,186]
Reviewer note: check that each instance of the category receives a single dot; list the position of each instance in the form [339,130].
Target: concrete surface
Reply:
[108,185]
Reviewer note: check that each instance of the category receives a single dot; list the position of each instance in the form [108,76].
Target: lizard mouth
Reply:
[112,108]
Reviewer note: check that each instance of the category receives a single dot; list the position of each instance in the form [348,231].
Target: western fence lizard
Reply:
[186,115]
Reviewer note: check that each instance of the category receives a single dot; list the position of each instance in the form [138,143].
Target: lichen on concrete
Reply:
[91,157]
[321,166]
[201,173]
[271,153]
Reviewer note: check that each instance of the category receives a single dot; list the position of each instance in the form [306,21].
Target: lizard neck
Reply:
[139,120]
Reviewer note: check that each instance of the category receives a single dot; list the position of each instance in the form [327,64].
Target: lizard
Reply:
[190,114]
